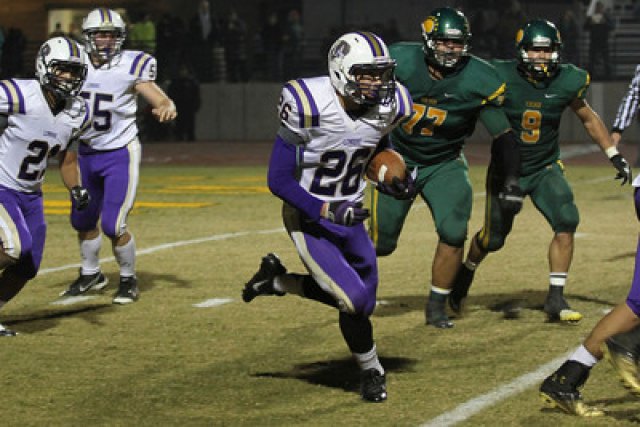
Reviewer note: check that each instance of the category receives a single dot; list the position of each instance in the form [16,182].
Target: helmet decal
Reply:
[374,42]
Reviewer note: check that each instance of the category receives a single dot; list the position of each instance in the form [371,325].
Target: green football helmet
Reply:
[539,33]
[445,23]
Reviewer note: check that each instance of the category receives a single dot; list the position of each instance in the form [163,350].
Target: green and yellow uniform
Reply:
[445,113]
[534,109]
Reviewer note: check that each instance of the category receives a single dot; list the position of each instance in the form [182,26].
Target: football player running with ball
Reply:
[109,153]
[451,90]
[41,117]
[540,88]
[329,128]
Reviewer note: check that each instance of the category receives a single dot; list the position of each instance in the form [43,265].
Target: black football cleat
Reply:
[625,362]
[127,291]
[436,315]
[373,386]
[262,282]
[558,310]
[4,332]
[460,289]
[84,283]
[560,390]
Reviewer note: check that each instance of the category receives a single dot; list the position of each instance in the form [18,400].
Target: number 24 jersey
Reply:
[33,133]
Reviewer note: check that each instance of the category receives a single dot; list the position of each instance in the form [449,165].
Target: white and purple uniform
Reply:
[33,135]
[109,152]
[320,156]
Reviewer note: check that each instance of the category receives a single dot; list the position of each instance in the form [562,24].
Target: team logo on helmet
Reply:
[340,50]
[429,25]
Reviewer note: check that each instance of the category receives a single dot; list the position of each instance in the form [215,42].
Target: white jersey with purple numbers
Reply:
[110,92]
[33,133]
[334,147]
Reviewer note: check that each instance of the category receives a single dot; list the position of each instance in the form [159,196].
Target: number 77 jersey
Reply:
[445,111]
[33,133]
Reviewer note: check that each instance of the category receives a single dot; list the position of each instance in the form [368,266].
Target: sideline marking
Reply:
[164,246]
[471,407]
[213,302]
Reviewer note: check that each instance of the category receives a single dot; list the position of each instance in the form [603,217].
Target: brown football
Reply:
[385,165]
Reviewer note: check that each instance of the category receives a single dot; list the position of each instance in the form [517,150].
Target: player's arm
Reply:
[68,160]
[505,149]
[627,109]
[596,129]
[281,177]
[163,107]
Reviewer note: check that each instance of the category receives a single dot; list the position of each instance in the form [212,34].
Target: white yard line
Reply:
[165,246]
[471,407]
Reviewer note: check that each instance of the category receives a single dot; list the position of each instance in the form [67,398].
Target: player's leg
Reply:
[553,197]
[22,232]
[449,195]
[490,238]
[85,223]
[121,182]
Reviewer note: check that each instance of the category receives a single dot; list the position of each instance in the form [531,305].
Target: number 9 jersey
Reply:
[332,146]
[33,133]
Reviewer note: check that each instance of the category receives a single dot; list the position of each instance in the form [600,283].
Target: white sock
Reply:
[471,265]
[558,279]
[289,284]
[90,253]
[441,291]
[126,257]
[369,360]
[583,356]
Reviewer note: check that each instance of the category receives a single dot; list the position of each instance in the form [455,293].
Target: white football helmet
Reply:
[104,20]
[362,53]
[61,55]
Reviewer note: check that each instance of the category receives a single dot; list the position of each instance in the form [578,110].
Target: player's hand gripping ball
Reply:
[386,165]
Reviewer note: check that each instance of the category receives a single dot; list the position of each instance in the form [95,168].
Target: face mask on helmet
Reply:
[538,44]
[446,38]
[60,67]
[361,69]
[104,33]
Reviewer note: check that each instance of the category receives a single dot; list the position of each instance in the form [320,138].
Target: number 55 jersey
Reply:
[33,133]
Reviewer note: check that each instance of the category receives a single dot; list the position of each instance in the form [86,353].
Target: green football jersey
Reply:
[535,109]
[445,111]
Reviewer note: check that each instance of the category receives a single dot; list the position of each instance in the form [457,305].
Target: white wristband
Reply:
[611,151]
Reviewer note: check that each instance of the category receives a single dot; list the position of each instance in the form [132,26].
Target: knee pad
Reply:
[453,230]
[493,243]
[567,218]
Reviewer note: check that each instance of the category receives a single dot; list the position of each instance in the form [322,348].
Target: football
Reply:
[386,165]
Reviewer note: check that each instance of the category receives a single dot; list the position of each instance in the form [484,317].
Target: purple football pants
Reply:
[633,299]
[340,259]
[111,177]
[22,229]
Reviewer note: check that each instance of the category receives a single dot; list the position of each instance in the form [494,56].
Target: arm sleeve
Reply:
[505,149]
[495,120]
[629,105]
[282,182]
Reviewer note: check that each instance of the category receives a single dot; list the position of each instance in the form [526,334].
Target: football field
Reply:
[191,353]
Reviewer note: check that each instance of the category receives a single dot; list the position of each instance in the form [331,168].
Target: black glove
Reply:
[81,197]
[511,197]
[400,189]
[624,171]
[347,213]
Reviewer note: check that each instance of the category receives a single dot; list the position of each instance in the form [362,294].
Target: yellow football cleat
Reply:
[624,362]
[571,406]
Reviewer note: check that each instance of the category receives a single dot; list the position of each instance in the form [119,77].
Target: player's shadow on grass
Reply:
[342,373]
[498,302]
[90,310]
